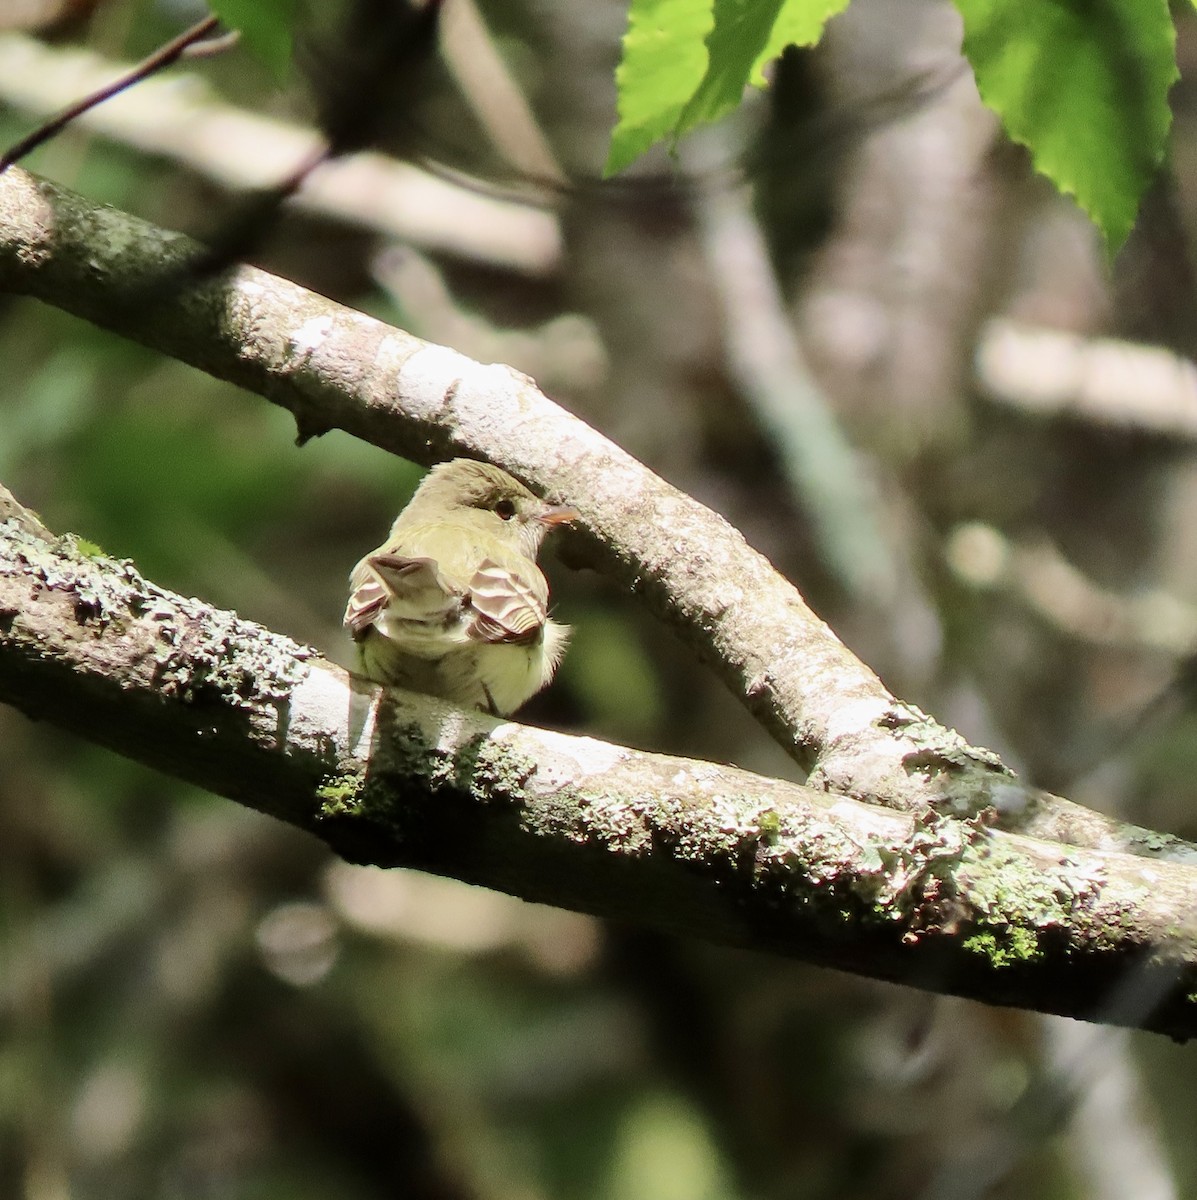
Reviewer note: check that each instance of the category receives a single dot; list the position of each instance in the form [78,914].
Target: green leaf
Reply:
[800,23]
[663,63]
[687,62]
[265,27]
[1084,86]
[734,46]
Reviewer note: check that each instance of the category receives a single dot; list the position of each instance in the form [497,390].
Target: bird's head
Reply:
[489,497]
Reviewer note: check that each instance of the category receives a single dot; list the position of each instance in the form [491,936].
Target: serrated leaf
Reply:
[735,44]
[265,27]
[663,63]
[1085,88]
[800,23]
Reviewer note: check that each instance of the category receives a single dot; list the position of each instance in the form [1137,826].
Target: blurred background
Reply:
[851,320]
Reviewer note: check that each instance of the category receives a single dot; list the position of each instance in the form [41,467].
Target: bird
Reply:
[452,604]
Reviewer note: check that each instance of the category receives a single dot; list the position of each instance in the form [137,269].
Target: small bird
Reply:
[453,604]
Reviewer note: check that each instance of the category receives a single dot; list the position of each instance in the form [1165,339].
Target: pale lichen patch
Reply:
[201,650]
[195,647]
[310,335]
[855,717]
[324,712]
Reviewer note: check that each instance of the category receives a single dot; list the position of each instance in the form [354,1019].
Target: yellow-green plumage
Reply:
[453,604]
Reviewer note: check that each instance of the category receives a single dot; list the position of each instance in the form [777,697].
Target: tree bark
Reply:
[941,902]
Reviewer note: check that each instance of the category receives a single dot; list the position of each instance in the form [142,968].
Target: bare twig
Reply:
[493,94]
[1038,575]
[1103,381]
[161,58]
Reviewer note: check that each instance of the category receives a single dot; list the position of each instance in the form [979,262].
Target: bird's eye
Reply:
[505,509]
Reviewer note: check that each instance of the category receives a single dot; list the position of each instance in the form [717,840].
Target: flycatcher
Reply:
[453,604]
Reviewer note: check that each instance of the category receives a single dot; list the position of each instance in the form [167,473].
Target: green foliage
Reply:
[798,24]
[749,34]
[668,85]
[265,27]
[741,31]
[1085,89]
[663,64]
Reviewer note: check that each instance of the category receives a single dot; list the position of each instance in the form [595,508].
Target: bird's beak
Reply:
[557,514]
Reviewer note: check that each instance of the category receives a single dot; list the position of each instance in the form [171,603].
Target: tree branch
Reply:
[332,367]
[714,852]
[1102,381]
[162,58]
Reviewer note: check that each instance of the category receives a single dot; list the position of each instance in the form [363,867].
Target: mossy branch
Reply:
[941,902]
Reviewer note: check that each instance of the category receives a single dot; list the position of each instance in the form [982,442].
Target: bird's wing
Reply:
[406,589]
[510,604]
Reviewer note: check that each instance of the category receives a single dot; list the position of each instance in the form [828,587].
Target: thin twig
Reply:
[163,57]
[178,117]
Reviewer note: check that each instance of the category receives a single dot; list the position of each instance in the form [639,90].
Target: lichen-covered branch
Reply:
[332,367]
[945,903]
